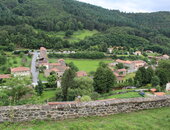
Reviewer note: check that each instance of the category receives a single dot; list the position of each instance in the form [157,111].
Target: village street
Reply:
[34,72]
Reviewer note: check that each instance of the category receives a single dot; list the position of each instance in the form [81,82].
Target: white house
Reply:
[21,71]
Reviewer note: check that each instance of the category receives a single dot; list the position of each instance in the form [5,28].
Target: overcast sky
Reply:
[133,5]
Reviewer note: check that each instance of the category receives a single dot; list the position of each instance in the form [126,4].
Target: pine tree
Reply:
[67,82]
[39,88]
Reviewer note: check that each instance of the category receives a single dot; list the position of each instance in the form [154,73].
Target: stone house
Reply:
[59,68]
[138,53]
[21,71]
[110,50]
[43,55]
[132,66]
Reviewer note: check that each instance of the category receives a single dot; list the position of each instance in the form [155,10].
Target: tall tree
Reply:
[39,88]
[67,81]
[104,79]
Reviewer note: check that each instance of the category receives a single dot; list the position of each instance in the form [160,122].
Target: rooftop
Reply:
[81,74]
[20,69]
[5,76]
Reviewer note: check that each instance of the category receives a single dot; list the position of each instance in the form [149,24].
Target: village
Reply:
[40,62]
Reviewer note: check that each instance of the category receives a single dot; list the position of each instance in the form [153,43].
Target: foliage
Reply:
[73,66]
[25,23]
[104,79]
[39,88]
[155,81]
[67,82]
[52,81]
[85,98]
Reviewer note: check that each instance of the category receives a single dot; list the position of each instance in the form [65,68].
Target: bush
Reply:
[85,99]
[95,96]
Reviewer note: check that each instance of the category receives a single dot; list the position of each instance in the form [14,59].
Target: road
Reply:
[34,72]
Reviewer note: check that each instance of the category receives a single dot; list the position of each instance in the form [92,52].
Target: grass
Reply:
[155,119]
[42,77]
[47,95]
[87,65]
[128,76]
[77,36]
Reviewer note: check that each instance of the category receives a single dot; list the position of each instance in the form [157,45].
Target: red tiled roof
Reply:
[153,90]
[116,74]
[124,62]
[81,74]
[61,60]
[121,70]
[20,69]
[159,93]
[43,49]
[5,76]
[55,64]
[138,61]
[55,70]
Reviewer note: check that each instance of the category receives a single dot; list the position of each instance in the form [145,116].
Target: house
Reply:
[110,50]
[121,72]
[149,51]
[168,86]
[21,71]
[81,74]
[59,68]
[5,76]
[43,55]
[132,66]
[165,57]
[138,53]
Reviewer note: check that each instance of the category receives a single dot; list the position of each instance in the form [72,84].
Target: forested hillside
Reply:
[25,23]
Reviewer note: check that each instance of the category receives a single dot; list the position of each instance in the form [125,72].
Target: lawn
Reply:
[125,95]
[155,119]
[128,76]
[77,36]
[85,64]
[42,77]
[46,96]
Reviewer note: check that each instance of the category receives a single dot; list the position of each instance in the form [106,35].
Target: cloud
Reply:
[132,5]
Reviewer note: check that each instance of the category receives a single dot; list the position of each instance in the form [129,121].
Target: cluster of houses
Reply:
[130,67]
[163,57]
[59,67]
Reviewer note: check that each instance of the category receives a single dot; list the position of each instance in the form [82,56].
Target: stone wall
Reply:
[61,111]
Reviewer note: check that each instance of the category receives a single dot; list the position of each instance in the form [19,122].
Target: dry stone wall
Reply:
[75,110]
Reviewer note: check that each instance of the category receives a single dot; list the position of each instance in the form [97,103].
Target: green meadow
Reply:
[155,119]
[87,65]
[77,36]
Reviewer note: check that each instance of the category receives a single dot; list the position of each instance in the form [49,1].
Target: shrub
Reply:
[85,99]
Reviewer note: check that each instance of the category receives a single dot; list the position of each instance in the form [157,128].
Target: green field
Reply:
[77,36]
[85,64]
[155,119]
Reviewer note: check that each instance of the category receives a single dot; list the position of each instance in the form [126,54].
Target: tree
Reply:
[18,88]
[73,66]
[119,66]
[104,79]
[67,81]
[39,88]
[69,33]
[155,81]
[52,81]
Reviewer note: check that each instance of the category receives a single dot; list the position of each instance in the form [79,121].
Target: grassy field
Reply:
[77,36]
[42,77]
[128,76]
[155,119]
[85,64]
[47,95]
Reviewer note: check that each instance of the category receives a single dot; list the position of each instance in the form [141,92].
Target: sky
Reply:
[132,5]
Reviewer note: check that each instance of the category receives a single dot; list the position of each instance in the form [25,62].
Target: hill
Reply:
[20,20]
